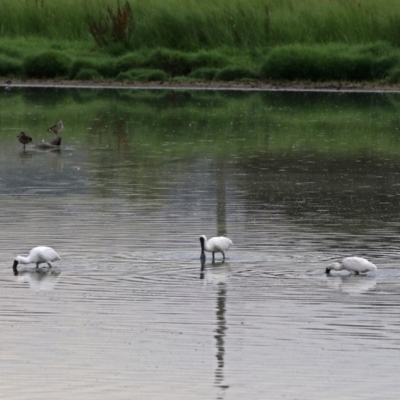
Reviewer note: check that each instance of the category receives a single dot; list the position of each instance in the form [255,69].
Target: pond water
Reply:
[296,180]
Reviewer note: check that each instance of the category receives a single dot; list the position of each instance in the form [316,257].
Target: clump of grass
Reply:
[152,75]
[393,76]
[208,59]
[330,62]
[205,73]
[143,75]
[88,74]
[49,64]
[106,68]
[9,51]
[124,77]
[9,66]
[235,73]
[79,65]
[129,61]
[172,62]
[103,67]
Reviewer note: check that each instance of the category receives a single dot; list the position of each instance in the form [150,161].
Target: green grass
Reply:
[191,25]
[374,62]
[313,40]
[338,62]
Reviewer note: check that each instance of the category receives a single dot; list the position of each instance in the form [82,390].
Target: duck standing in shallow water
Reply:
[56,141]
[218,244]
[24,138]
[38,255]
[352,264]
[57,128]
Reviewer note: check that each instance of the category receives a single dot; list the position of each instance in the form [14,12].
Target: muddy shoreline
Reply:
[255,86]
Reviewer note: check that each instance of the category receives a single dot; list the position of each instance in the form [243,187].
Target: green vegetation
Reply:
[310,40]
[335,62]
[211,123]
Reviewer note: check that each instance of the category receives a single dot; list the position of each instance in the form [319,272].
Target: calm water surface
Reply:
[296,180]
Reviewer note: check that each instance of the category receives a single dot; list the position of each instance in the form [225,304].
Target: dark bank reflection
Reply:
[330,154]
[38,278]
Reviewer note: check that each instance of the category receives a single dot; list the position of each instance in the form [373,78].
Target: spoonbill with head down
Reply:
[218,244]
[38,255]
[352,264]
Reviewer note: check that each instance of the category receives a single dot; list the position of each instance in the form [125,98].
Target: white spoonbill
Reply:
[218,244]
[38,255]
[352,264]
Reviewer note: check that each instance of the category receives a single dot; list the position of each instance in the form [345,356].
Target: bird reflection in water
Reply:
[220,333]
[25,155]
[352,284]
[202,263]
[38,279]
[216,274]
[218,279]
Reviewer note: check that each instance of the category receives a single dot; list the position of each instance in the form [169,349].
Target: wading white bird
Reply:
[352,264]
[218,244]
[38,255]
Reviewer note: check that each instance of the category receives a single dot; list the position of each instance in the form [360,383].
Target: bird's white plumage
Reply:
[38,255]
[217,244]
[353,264]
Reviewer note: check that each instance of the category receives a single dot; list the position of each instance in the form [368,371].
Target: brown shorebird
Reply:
[58,127]
[24,139]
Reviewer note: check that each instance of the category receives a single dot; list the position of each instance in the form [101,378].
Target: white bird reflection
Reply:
[218,276]
[38,279]
[352,284]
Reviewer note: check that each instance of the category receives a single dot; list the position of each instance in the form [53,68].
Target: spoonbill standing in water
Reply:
[218,244]
[352,264]
[38,255]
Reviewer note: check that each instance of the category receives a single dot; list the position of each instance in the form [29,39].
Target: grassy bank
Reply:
[191,25]
[312,40]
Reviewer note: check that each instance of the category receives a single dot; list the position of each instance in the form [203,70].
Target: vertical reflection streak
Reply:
[220,333]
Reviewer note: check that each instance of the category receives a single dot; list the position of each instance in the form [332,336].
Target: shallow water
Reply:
[296,180]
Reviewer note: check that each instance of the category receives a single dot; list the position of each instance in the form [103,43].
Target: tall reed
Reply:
[194,24]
